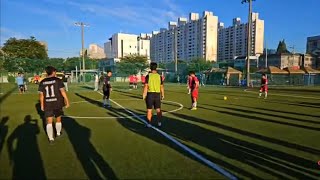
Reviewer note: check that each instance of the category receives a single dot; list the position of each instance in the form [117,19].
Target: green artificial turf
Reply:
[276,138]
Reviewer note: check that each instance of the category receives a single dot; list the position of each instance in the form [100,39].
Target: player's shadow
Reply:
[238,113]
[7,94]
[25,156]
[271,161]
[3,131]
[41,115]
[92,162]
[128,94]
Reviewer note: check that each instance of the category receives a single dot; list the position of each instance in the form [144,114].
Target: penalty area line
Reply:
[181,145]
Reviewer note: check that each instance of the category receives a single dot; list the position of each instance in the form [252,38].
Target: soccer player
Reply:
[96,82]
[264,86]
[135,81]
[107,89]
[20,83]
[153,93]
[194,87]
[65,81]
[52,99]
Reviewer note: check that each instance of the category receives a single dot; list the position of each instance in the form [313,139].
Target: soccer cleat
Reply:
[193,109]
[51,142]
[159,124]
[148,125]
[59,135]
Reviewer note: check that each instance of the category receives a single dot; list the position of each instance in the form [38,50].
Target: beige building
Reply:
[121,45]
[287,60]
[196,38]
[233,40]
[96,52]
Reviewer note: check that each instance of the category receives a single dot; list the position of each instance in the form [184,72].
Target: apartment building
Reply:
[186,39]
[233,40]
[96,52]
[313,44]
[121,45]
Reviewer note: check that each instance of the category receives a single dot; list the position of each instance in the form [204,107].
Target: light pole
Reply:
[82,41]
[249,48]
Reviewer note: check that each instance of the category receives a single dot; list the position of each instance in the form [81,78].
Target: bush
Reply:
[11,79]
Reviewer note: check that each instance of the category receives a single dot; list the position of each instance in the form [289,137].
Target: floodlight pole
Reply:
[249,48]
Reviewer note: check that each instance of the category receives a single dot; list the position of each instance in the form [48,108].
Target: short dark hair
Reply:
[109,71]
[50,70]
[263,74]
[191,72]
[153,66]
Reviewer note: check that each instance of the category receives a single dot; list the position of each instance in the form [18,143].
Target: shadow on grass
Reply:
[138,127]
[79,136]
[3,131]
[25,157]
[269,160]
[87,87]
[92,162]
[264,113]
[7,94]
[238,113]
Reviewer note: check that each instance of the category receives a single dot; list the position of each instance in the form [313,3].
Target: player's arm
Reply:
[145,88]
[197,83]
[41,98]
[162,89]
[65,97]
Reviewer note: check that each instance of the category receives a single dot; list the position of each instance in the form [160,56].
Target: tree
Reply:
[282,47]
[58,63]
[199,65]
[25,48]
[132,64]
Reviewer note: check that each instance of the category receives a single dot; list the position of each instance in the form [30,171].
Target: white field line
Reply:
[184,147]
[120,117]
[284,95]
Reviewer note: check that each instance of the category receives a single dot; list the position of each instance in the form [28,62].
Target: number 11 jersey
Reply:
[50,87]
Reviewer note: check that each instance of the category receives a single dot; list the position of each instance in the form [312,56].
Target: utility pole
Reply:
[266,59]
[176,50]
[249,48]
[82,25]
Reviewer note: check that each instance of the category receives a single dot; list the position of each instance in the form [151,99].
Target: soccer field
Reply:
[251,138]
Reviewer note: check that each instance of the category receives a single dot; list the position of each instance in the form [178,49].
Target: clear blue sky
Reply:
[52,20]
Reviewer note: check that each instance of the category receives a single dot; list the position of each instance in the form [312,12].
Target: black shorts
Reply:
[53,113]
[21,87]
[153,100]
[107,93]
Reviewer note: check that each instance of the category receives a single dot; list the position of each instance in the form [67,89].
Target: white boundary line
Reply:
[305,97]
[120,117]
[184,147]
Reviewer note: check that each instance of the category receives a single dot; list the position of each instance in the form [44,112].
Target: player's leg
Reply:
[108,98]
[149,105]
[194,99]
[58,113]
[157,106]
[260,91]
[49,117]
[265,92]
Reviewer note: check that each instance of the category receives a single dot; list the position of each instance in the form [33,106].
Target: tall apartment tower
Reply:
[196,38]
[233,40]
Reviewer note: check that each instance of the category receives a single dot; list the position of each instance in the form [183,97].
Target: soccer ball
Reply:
[225,98]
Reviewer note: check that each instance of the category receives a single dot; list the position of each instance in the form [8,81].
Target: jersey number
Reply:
[52,91]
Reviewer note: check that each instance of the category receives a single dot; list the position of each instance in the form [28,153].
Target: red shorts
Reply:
[264,89]
[194,93]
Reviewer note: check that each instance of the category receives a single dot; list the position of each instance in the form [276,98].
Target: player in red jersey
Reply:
[194,87]
[264,86]
[189,83]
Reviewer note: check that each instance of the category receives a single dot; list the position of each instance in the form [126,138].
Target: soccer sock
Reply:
[108,102]
[260,94]
[58,128]
[104,101]
[265,94]
[195,104]
[50,131]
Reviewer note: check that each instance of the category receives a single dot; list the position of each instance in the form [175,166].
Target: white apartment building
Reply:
[196,38]
[121,45]
[233,40]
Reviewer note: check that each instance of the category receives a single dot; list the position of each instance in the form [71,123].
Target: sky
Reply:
[53,20]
